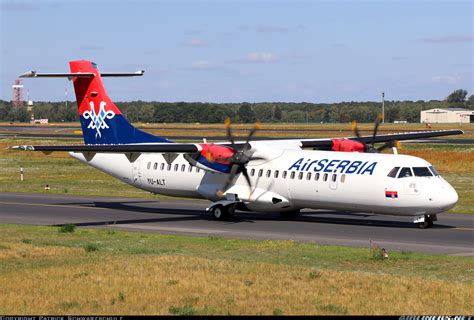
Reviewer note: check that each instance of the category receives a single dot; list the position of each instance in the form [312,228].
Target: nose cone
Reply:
[448,197]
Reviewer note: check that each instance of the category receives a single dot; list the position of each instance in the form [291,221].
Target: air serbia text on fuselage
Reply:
[336,166]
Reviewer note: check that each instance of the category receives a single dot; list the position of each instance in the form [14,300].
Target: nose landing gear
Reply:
[425,221]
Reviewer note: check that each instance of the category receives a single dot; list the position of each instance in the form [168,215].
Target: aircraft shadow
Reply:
[342,218]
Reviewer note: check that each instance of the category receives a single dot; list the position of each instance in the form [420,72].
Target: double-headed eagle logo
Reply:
[98,119]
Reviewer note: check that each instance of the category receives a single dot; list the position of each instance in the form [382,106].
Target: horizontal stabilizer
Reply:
[34,74]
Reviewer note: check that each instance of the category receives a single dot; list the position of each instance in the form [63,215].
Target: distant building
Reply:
[30,105]
[447,115]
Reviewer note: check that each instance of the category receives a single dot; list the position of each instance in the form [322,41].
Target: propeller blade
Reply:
[257,158]
[230,179]
[208,155]
[389,144]
[256,127]
[376,127]
[229,132]
[384,146]
[355,129]
[246,175]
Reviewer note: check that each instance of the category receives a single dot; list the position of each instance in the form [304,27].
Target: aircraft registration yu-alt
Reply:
[347,174]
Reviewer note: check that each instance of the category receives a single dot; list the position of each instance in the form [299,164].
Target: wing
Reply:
[195,147]
[328,143]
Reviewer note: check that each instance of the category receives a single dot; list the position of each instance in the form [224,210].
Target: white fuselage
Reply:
[292,179]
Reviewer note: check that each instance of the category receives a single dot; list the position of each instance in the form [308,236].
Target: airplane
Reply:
[285,176]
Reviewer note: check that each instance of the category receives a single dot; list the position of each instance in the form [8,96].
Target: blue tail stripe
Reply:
[115,131]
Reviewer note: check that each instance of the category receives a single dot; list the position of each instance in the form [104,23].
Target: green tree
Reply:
[470,102]
[457,96]
[277,114]
[246,113]
[263,112]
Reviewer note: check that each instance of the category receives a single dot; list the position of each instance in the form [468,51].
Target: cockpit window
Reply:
[434,171]
[393,172]
[422,172]
[405,172]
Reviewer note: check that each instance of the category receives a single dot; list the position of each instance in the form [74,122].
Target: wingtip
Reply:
[28,74]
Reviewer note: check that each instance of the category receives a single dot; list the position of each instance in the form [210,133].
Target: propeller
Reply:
[241,157]
[370,148]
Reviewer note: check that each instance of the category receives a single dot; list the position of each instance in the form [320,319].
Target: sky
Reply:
[236,51]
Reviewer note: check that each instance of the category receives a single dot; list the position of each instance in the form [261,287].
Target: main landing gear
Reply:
[220,212]
[425,221]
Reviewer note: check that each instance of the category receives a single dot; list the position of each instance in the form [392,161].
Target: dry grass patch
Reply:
[190,285]
[26,250]
[446,161]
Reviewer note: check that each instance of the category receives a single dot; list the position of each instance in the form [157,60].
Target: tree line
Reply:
[270,112]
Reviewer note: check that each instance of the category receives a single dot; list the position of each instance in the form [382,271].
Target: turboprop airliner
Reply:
[346,174]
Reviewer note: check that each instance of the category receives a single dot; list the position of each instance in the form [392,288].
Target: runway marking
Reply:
[52,205]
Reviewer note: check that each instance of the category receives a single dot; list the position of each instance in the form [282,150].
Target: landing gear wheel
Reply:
[223,213]
[428,223]
[290,214]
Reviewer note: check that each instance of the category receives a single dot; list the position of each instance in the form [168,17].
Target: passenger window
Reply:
[422,172]
[169,167]
[292,175]
[276,174]
[325,177]
[176,167]
[334,177]
[300,175]
[260,172]
[284,174]
[148,165]
[393,172]
[343,178]
[190,168]
[198,170]
[405,172]
[316,176]
[162,166]
[252,172]
[183,167]
[434,171]
[269,173]
[155,166]
[308,176]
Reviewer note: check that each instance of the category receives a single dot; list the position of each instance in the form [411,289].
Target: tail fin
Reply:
[102,122]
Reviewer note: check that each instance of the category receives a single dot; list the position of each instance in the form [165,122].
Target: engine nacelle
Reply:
[211,158]
[347,145]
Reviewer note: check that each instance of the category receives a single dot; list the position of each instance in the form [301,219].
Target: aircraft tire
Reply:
[427,224]
[221,213]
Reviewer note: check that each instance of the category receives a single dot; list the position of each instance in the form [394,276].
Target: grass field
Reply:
[91,271]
